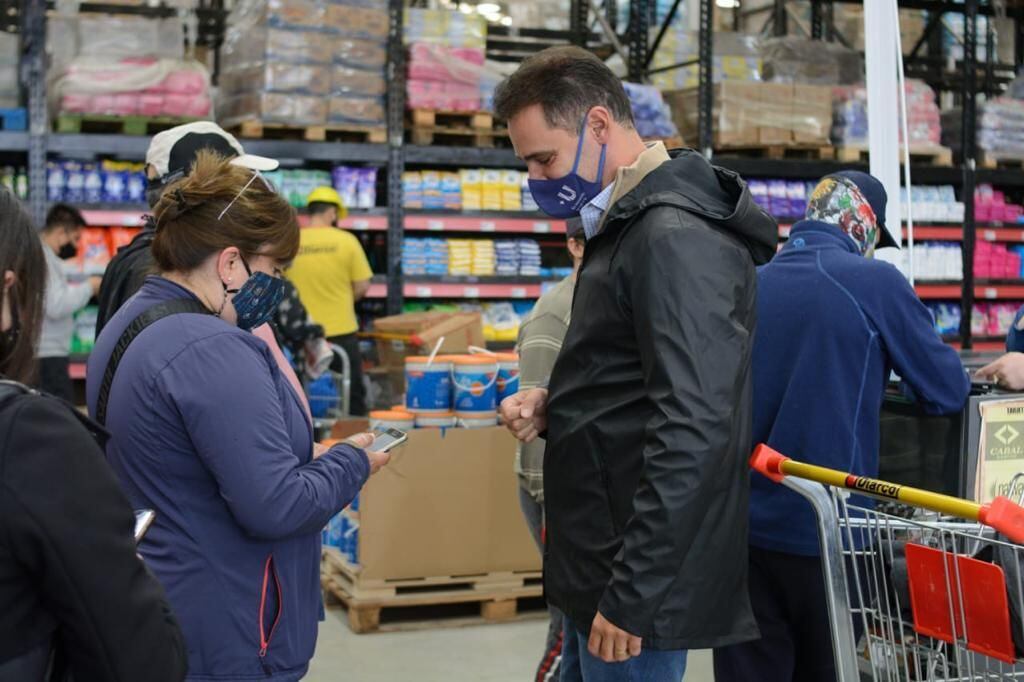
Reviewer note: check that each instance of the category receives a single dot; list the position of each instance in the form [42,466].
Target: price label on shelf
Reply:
[360,224]
[424,292]
[435,225]
[517,292]
[130,221]
[471,292]
[991,292]
[488,226]
[542,227]
[989,235]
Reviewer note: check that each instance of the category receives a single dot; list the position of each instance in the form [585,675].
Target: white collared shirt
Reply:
[595,208]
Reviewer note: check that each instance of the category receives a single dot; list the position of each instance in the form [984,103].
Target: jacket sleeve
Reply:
[62,297]
[68,523]
[229,402]
[932,370]
[690,302]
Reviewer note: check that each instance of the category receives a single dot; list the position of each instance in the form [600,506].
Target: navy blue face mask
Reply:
[564,197]
[256,301]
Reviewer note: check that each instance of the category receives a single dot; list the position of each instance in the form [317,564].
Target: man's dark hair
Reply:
[320,207]
[63,216]
[567,82]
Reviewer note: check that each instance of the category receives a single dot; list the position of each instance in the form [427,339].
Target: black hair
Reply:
[320,207]
[63,216]
[21,252]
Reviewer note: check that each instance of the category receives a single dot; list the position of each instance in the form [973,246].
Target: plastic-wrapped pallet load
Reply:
[652,116]
[1000,124]
[305,62]
[850,121]
[736,58]
[446,59]
[9,54]
[127,66]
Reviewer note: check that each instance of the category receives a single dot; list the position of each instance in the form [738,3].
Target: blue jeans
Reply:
[650,666]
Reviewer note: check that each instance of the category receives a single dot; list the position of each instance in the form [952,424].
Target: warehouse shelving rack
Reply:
[514,43]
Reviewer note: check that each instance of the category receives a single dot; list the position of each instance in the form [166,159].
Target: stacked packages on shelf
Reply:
[933,203]
[997,261]
[938,262]
[990,205]
[471,189]
[783,199]
[305,62]
[16,180]
[850,115]
[427,256]
[9,56]
[111,182]
[471,257]
[126,66]
[517,257]
[993,319]
[356,186]
[652,116]
[446,60]
[736,58]
[947,317]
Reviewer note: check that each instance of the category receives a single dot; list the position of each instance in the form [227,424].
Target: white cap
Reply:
[175,150]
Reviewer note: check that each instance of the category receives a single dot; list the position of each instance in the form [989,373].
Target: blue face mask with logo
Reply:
[564,197]
[256,301]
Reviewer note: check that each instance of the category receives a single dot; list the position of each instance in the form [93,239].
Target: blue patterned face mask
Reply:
[256,301]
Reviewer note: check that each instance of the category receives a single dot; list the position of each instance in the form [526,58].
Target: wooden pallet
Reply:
[124,125]
[455,128]
[458,600]
[780,151]
[262,130]
[994,160]
[933,155]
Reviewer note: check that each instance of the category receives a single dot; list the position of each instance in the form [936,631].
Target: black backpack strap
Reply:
[148,317]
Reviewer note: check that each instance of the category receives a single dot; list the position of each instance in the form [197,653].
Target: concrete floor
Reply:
[485,653]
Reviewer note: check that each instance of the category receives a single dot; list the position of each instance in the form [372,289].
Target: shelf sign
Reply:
[488,226]
[542,227]
[424,292]
[517,292]
[991,292]
[361,224]
[990,235]
[435,225]
[471,292]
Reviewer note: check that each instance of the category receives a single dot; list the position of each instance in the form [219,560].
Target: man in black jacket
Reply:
[648,411]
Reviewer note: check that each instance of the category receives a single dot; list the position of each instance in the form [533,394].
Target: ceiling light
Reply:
[465,9]
[488,8]
[506,21]
[728,4]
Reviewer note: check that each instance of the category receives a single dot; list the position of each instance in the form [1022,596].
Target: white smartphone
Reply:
[143,520]
[384,440]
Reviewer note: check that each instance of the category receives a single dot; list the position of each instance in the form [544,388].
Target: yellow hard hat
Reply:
[327,195]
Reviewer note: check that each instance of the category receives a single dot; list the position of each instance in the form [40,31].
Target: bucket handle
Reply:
[456,384]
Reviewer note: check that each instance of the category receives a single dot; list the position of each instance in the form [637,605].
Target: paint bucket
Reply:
[403,421]
[474,379]
[508,375]
[445,420]
[476,420]
[428,385]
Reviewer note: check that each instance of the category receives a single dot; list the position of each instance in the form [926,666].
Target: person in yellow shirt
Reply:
[331,273]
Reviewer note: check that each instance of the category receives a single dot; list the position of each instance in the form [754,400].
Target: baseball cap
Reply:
[172,152]
[874,192]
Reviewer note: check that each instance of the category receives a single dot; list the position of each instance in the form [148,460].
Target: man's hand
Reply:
[525,413]
[610,643]
[378,460]
[1007,372]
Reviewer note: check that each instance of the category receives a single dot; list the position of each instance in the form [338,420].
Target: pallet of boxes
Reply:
[438,532]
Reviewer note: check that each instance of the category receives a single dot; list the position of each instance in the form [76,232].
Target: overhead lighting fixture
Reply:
[506,21]
[465,9]
[728,4]
[488,8]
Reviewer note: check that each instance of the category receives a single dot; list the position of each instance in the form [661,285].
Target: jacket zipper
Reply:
[269,569]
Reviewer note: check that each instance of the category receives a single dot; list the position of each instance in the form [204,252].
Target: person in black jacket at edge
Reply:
[75,600]
[648,411]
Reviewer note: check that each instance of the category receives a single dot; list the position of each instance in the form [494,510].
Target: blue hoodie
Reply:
[207,432]
[831,325]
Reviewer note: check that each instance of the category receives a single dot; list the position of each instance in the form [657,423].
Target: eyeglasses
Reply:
[255,174]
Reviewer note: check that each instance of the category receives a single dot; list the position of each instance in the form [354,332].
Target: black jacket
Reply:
[70,581]
[125,274]
[649,413]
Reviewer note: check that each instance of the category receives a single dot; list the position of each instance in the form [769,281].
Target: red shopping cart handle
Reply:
[1001,514]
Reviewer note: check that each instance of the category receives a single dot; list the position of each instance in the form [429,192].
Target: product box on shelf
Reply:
[418,333]
[462,490]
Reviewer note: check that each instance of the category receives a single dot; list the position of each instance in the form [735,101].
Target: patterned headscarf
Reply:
[837,201]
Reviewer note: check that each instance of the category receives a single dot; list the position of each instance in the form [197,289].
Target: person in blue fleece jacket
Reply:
[832,323]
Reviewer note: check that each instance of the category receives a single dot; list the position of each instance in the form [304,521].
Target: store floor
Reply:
[487,653]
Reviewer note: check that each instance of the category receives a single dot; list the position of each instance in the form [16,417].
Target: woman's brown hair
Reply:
[192,223]
[21,252]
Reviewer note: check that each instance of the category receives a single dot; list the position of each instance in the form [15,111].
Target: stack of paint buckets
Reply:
[453,390]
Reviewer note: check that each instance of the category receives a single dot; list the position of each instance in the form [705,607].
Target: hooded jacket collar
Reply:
[818,234]
[628,177]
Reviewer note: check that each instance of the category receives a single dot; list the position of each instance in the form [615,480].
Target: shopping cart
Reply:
[921,587]
[330,394]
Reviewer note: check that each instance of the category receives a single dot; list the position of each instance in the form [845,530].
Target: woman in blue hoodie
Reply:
[208,432]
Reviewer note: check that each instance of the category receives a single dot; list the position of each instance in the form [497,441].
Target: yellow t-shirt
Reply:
[329,261]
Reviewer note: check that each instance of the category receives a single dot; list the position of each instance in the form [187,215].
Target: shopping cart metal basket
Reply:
[922,586]
[330,394]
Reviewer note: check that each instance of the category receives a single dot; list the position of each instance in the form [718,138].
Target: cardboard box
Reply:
[445,505]
[774,117]
[812,114]
[422,332]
